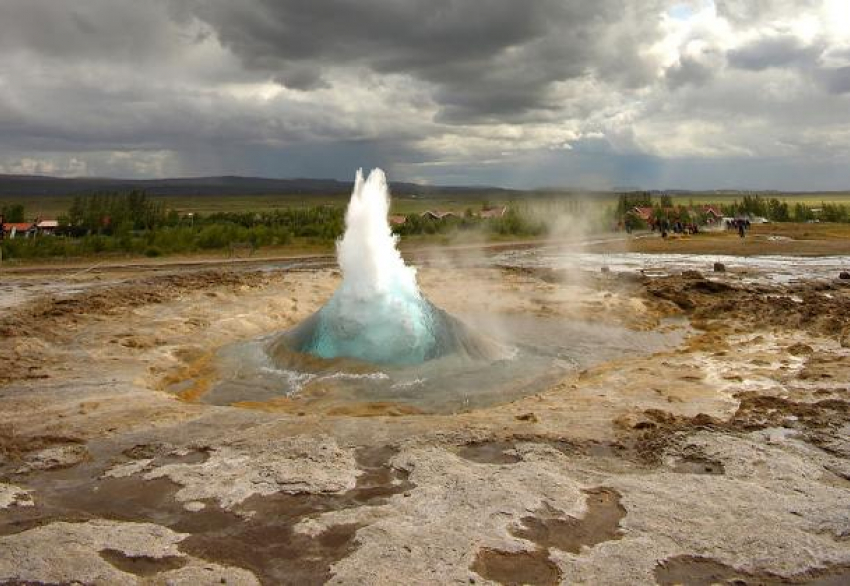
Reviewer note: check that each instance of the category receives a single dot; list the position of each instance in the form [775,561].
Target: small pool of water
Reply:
[540,351]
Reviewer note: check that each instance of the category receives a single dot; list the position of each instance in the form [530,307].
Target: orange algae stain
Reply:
[332,409]
[195,379]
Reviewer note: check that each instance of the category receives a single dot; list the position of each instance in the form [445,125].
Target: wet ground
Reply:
[532,353]
[687,429]
[774,269]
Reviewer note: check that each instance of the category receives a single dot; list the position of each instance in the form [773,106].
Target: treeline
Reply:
[134,224]
[514,223]
[772,208]
[113,213]
[157,242]
[778,210]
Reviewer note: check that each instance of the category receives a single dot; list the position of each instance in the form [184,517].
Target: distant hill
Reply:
[42,186]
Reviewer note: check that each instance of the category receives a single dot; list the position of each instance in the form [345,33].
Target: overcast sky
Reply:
[650,93]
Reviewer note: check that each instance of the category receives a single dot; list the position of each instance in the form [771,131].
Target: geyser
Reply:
[378,314]
[379,346]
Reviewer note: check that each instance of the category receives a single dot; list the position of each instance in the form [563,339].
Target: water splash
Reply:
[378,314]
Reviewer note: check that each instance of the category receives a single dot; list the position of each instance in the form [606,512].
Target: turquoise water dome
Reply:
[378,314]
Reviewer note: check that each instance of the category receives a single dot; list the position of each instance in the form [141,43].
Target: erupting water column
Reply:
[377,314]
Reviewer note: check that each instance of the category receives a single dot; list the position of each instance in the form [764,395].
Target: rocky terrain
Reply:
[724,459]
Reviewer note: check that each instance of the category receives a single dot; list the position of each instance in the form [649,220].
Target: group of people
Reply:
[665,226]
[739,224]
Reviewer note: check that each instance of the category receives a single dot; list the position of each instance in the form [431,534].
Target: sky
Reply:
[662,94]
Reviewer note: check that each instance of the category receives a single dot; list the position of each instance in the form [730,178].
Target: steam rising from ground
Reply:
[379,341]
[378,313]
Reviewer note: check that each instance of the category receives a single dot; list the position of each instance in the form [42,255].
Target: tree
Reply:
[834,212]
[13,213]
[778,210]
[803,213]
[115,213]
[628,201]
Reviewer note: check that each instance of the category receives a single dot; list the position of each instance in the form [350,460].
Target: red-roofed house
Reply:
[437,215]
[712,213]
[18,229]
[644,214]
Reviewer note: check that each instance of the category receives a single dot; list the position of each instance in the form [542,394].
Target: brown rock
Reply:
[800,350]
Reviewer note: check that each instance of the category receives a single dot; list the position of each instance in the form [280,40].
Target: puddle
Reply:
[489,452]
[142,565]
[549,529]
[697,571]
[258,536]
[600,523]
[162,454]
[517,568]
[266,544]
[697,465]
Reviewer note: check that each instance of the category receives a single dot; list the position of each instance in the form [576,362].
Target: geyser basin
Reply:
[545,350]
[378,343]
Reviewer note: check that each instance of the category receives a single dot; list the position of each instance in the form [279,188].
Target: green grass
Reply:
[53,206]
[809,199]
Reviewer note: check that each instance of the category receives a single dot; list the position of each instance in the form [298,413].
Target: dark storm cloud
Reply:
[836,79]
[542,92]
[787,52]
[485,58]
[774,51]
[690,70]
[94,29]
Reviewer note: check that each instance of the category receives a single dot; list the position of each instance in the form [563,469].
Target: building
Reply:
[397,220]
[712,213]
[437,214]
[18,229]
[47,227]
[644,213]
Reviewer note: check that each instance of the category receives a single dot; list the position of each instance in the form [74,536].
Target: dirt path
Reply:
[313,260]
